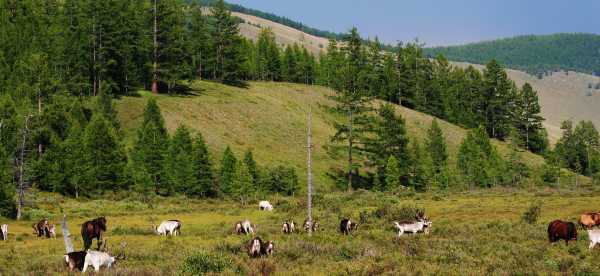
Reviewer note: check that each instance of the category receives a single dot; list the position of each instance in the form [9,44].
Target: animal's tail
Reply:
[67,235]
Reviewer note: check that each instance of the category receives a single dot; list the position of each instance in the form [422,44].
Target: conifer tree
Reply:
[7,185]
[252,168]
[527,118]
[420,167]
[199,41]
[436,146]
[351,101]
[226,45]
[437,153]
[228,172]
[74,160]
[243,188]
[150,148]
[202,170]
[389,139]
[498,92]
[104,157]
[170,47]
[393,174]
[178,162]
[288,65]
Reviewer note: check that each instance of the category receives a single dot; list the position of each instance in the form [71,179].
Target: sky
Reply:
[439,22]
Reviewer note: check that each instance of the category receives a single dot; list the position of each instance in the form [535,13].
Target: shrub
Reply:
[532,214]
[36,214]
[202,262]
[404,212]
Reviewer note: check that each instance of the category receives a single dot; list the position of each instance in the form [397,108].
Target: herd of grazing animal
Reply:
[256,247]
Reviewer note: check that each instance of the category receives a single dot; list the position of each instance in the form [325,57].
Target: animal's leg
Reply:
[85,266]
[97,267]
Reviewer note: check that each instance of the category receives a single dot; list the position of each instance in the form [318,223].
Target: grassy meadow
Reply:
[472,234]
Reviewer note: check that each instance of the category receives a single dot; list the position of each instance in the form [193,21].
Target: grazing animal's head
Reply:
[101,223]
[315,226]
[269,248]
[353,226]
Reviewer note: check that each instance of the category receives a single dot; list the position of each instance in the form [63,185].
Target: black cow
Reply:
[347,226]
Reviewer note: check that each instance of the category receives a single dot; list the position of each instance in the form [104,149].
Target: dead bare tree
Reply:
[21,163]
[309,169]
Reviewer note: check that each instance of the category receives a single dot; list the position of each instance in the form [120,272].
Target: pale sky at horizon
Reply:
[439,22]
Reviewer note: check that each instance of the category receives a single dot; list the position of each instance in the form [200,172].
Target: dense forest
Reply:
[535,54]
[63,62]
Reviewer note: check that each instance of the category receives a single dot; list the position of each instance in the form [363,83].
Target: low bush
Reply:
[200,263]
[532,214]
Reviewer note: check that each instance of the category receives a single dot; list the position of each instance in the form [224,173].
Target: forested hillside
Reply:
[535,54]
[63,64]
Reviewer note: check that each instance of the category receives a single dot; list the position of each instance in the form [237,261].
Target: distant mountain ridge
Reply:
[534,54]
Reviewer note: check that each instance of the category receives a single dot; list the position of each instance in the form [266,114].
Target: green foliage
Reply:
[179,169]
[228,171]
[103,156]
[393,174]
[7,186]
[435,145]
[532,214]
[201,263]
[478,160]
[283,180]
[536,54]
[579,149]
[202,170]
[148,153]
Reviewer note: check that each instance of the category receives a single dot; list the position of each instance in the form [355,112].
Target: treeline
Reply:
[84,155]
[465,97]
[275,18]
[535,54]
[379,151]
[83,47]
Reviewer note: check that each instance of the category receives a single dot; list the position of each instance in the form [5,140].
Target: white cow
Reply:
[265,205]
[412,227]
[4,232]
[97,259]
[169,227]
[594,235]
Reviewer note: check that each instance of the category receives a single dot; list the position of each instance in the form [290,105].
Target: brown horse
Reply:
[562,230]
[93,229]
[589,220]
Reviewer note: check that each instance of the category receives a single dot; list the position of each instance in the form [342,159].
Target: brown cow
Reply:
[42,228]
[562,230]
[93,229]
[589,220]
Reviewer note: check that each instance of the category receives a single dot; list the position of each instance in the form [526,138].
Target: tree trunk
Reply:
[40,148]
[21,187]
[350,145]
[155,53]
[309,169]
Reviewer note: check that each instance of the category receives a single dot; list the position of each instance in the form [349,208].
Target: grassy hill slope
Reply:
[535,54]
[270,119]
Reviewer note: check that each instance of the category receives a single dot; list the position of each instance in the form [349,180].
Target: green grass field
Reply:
[473,234]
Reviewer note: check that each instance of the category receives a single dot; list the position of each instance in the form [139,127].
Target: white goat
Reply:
[4,232]
[594,236]
[412,227]
[97,259]
[172,227]
[52,231]
[265,205]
